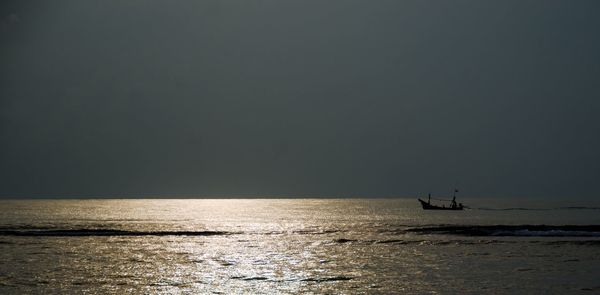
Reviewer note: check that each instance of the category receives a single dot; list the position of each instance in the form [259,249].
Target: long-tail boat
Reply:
[453,205]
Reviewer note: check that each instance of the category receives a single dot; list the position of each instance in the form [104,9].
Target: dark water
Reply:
[296,246]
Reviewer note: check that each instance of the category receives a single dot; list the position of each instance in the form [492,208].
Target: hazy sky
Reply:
[299,98]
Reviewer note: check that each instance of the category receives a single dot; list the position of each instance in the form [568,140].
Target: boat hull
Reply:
[428,206]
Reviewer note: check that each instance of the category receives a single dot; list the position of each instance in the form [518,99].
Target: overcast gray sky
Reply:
[299,98]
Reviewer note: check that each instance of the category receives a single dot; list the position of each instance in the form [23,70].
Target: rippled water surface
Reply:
[295,246]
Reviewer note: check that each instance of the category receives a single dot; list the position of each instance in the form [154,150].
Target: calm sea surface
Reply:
[296,246]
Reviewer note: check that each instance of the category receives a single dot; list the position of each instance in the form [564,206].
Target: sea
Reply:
[297,246]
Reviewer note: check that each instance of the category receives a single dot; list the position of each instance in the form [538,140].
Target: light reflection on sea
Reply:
[285,246]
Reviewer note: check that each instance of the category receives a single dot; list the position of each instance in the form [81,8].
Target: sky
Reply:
[278,98]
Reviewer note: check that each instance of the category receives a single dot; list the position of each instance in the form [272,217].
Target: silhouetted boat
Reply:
[453,205]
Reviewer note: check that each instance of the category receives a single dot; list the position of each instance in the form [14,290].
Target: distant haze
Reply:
[299,98]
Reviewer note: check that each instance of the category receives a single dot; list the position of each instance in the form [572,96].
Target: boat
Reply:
[453,205]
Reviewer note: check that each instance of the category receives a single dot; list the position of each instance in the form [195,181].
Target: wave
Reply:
[249,278]
[512,230]
[327,279]
[513,209]
[537,209]
[576,242]
[444,229]
[309,279]
[461,242]
[315,232]
[105,232]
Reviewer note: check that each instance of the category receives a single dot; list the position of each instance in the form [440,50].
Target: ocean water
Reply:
[340,246]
